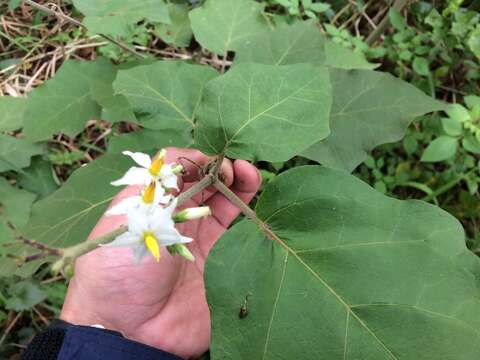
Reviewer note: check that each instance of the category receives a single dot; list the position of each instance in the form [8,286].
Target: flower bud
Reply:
[192,214]
[177,169]
[182,250]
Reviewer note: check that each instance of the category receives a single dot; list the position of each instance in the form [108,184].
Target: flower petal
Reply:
[139,252]
[126,239]
[171,208]
[170,182]
[161,198]
[168,178]
[138,221]
[171,236]
[134,176]
[140,158]
[124,206]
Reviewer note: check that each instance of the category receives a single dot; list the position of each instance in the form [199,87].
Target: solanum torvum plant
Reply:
[328,267]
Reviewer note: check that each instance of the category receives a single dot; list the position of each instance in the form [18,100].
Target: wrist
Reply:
[78,310]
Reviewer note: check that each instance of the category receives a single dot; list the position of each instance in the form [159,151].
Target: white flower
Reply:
[150,170]
[148,230]
[150,198]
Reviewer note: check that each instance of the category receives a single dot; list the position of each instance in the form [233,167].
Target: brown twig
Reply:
[79,24]
[385,23]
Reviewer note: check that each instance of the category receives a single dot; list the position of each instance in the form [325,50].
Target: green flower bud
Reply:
[182,250]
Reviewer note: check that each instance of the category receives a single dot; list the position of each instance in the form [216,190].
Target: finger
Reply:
[194,162]
[246,183]
[106,223]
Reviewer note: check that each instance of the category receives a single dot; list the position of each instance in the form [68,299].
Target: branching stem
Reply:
[68,255]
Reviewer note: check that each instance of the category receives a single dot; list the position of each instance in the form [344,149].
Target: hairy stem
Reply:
[246,210]
[78,23]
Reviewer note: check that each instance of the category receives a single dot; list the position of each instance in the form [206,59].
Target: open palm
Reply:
[159,304]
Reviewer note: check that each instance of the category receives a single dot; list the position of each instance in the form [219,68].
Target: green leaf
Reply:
[223,25]
[11,113]
[165,94]
[118,17]
[15,154]
[474,42]
[64,103]
[472,101]
[452,126]
[421,66]
[179,32]
[340,57]
[68,215]
[15,204]
[471,144]
[353,275]
[23,296]
[397,20]
[8,267]
[13,4]
[319,7]
[38,178]
[147,139]
[301,42]
[369,109]
[458,112]
[442,148]
[28,269]
[264,112]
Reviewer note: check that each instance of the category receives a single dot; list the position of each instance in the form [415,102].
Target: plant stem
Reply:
[78,23]
[443,189]
[246,210]
[385,23]
[69,254]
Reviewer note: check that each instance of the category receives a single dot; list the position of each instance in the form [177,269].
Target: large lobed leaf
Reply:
[11,113]
[369,109]
[15,154]
[301,42]
[353,275]
[264,112]
[179,32]
[165,94]
[118,17]
[223,25]
[15,207]
[80,91]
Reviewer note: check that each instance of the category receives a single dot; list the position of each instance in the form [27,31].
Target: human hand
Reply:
[160,304]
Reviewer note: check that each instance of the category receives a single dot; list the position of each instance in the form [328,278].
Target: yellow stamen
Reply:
[158,162]
[152,245]
[149,193]
[156,166]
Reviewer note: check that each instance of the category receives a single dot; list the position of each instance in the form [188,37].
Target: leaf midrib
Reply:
[329,288]
[250,120]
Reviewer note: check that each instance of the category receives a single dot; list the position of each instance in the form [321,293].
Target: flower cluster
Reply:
[150,214]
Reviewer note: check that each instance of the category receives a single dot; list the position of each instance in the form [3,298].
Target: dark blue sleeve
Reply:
[63,341]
